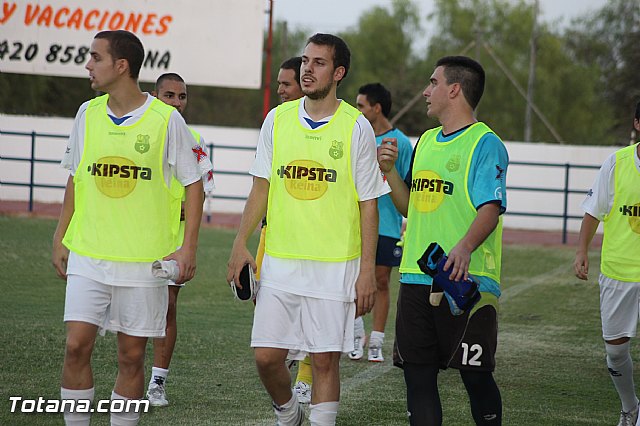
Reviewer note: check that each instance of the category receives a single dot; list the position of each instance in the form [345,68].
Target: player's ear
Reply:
[455,89]
[338,73]
[122,66]
[154,94]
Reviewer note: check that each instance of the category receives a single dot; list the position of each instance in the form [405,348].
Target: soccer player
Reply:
[121,211]
[171,89]
[374,102]
[289,80]
[317,179]
[614,199]
[453,195]
[289,90]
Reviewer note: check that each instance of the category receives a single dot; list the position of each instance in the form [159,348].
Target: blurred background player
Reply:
[171,89]
[102,244]
[374,102]
[318,271]
[614,199]
[289,90]
[289,80]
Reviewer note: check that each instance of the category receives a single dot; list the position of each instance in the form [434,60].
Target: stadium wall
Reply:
[239,160]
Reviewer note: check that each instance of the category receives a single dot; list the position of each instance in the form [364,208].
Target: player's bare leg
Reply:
[276,379]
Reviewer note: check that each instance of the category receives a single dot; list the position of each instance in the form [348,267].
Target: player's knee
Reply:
[618,341]
[618,354]
[481,380]
[325,363]
[382,286]
[77,351]
[267,360]
[131,357]
[382,280]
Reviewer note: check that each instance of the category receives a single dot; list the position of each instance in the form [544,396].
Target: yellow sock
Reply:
[304,371]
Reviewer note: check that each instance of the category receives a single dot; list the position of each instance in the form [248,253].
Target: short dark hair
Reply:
[171,76]
[125,45]
[293,64]
[341,52]
[468,73]
[376,93]
[637,116]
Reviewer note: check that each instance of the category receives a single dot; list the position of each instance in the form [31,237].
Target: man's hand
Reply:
[239,257]
[59,259]
[482,226]
[365,292]
[587,231]
[387,156]
[186,260]
[581,265]
[458,262]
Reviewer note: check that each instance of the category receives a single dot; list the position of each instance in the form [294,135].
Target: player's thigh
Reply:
[139,311]
[469,341]
[86,300]
[416,338]
[619,308]
[277,320]
[327,325]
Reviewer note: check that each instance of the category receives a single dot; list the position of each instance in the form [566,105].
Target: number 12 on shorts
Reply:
[475,351]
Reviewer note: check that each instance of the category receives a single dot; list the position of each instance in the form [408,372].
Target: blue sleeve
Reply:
[488,173]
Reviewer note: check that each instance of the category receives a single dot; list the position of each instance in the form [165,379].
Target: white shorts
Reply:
[302,324]
[619,308]
[135,311]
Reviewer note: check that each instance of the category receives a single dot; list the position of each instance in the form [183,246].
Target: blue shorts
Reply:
[388,253]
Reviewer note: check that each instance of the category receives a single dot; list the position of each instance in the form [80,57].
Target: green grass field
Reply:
[550,361]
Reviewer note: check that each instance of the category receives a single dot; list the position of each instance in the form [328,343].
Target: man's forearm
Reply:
[482,226]
[588,229]
[368,232]
[194,199]
[399,191]
[68,207]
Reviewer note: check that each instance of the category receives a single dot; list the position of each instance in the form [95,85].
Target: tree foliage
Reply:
[607,41]
[565,91]
[382,51]
[586,83]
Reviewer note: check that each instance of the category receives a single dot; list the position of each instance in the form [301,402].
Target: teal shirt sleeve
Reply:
[488,172]
[390,220]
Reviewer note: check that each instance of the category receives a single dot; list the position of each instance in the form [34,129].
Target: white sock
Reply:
[158,375]
[289,412]
[77,419]
[376,337]
[125,418]
[324,414]
[621,371]
[358,327]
